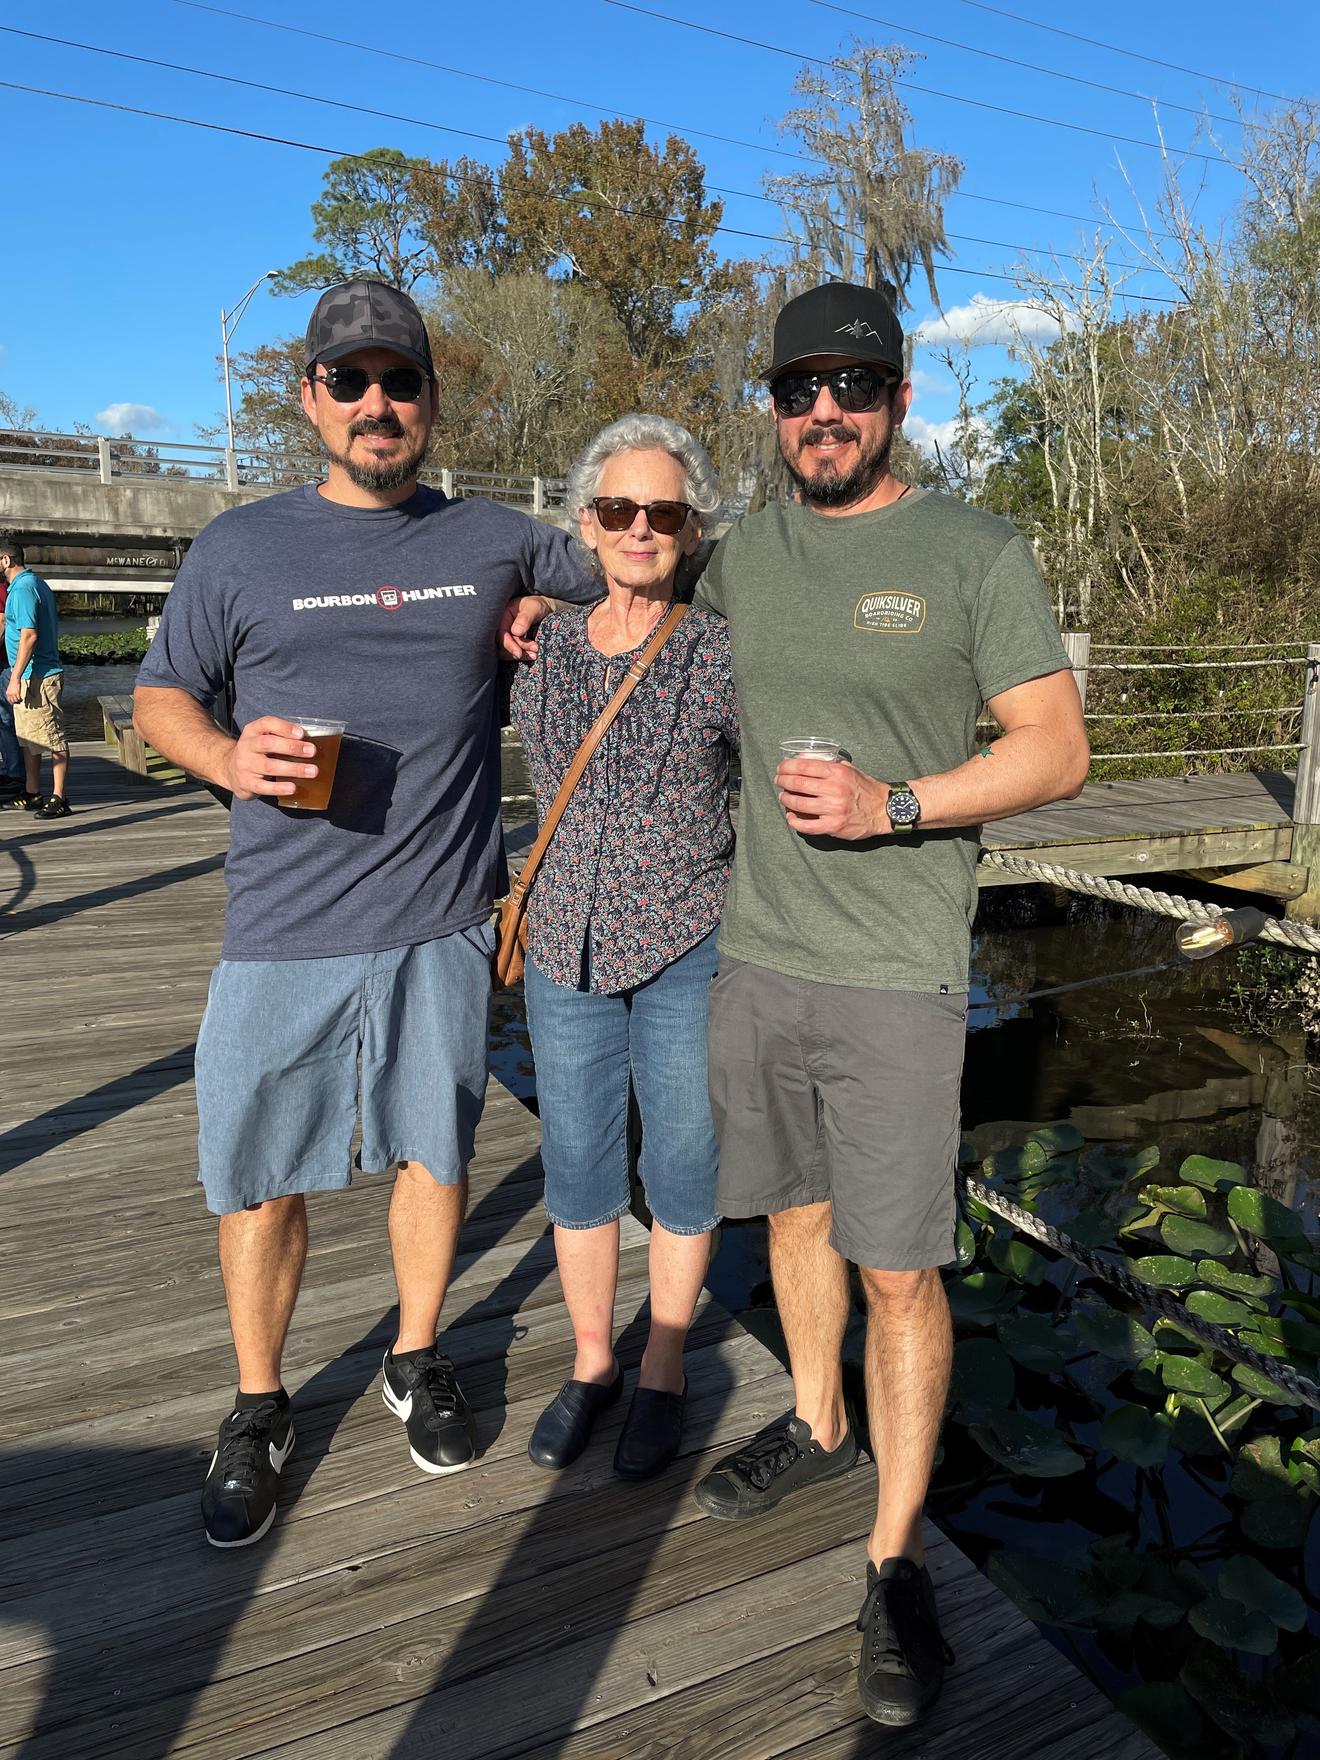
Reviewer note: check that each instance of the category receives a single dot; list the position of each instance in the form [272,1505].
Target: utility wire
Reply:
[1077,79]
[421,122]
[965,195]
[1132,54]
[1130,140]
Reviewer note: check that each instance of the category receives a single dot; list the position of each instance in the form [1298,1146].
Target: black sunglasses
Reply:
[854,389]
[616,514]
[349,384]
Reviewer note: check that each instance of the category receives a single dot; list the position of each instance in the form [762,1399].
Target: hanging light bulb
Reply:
[1229,929]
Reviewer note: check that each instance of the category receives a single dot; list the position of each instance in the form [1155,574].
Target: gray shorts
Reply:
[284,1044]
[830,1093]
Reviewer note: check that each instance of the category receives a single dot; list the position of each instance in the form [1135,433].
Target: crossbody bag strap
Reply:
[585,752]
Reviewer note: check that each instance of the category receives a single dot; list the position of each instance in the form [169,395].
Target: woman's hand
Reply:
[518,622]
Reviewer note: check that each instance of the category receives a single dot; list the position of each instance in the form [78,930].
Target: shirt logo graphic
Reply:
[900,613]
[389,597]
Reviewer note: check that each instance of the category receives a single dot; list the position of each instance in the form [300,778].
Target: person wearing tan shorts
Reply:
[35,681]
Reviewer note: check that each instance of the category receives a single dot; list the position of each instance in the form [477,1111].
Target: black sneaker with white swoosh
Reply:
[238,1498]
[422,1389]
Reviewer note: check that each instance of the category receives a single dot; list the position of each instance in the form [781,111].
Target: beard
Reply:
[379,478]
[830,487]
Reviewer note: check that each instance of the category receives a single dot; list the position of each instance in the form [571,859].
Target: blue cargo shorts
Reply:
[288,1048]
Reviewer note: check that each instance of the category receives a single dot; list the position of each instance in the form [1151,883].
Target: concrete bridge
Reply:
[116,516]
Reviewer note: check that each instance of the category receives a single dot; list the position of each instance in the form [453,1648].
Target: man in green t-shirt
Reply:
[878,618]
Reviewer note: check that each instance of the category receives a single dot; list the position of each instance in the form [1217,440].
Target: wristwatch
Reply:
[903,807]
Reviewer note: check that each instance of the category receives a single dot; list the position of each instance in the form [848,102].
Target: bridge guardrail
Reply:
[118,460]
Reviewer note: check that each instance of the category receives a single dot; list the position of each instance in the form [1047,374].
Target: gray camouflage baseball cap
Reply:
[367,314]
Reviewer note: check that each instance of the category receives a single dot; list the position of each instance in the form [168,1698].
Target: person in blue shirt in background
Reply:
[35,681]
[11,759]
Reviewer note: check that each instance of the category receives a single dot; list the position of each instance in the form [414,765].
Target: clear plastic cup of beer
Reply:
[312,793]
[828,751]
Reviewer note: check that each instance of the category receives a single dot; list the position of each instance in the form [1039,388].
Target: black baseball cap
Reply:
[367,314]
[838,318]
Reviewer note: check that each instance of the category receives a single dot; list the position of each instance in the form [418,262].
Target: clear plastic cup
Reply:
[312,793]
[828,751]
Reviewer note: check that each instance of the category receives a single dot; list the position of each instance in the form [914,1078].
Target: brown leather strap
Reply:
[631,679]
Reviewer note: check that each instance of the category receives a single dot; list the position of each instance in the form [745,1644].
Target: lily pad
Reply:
[1119,1613]
[1235,1283]
[1165,1271]
[1260,1385]
[1266,1218]
[1017,1260]
[1246,1579]
[982,1374]
[1049,1593]
[1259,1470]
[1092,1228]
[1200,1170]
[1220,1309]
[1057,1139]
[1278,1523]
[1240,1706]
[1193,1375]
[1134,1434]
[1035,1341]
[964,1245]
[1011,1164]
[1234,1627]
[1183,1234]
[978,1296]
[1183,1200]
[1024,1446]
[1113,1333]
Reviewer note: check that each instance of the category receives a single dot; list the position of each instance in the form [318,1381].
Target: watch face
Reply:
[904,808]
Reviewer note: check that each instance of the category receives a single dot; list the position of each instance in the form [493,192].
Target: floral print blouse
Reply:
[637,871]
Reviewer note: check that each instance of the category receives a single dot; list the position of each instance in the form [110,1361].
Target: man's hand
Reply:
[263,756]
[14,689]
[518,621]
[832,800]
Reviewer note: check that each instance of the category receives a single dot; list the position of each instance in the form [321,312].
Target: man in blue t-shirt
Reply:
[11,758]
[357,933]
[34,682]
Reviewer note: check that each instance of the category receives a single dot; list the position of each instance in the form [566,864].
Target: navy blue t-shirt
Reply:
[385,619]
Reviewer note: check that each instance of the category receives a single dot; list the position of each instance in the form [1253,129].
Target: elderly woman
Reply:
[622,921]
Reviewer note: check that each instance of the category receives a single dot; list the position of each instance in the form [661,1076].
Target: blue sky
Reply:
[127,235]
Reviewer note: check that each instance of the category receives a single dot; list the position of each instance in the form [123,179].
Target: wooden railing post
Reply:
[1077,646]
[1306,800]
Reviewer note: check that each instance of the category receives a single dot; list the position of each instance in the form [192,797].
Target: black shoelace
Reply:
[765,1456]
[436,1379]
[900,1625]
[245,1440]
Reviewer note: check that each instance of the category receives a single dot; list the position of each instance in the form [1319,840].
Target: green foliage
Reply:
[122,646]
[1137,1396]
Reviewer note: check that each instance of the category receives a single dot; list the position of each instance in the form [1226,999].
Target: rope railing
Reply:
[1298,936]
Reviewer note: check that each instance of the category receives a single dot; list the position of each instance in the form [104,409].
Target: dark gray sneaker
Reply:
[238,1498]
[422,1389]
[779,1459]
[901,1668]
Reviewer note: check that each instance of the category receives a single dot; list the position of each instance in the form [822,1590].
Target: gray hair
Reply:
[639,433]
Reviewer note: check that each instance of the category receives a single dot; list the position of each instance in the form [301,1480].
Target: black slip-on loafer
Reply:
[564,1427]
[651,1433]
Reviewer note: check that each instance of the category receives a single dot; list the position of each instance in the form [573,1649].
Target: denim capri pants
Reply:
[586,1046]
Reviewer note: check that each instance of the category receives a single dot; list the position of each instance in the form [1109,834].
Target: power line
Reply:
[1130,140]
[1132,54]
[1077,79]
[483,78]
[341,153]
[966,195]
[445,128]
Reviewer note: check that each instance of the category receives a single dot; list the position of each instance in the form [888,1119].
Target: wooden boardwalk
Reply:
[1238,827]
[496,1613]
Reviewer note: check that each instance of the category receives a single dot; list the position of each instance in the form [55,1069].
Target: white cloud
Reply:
[927,435]
[132,418]
[931,384]
[986,321]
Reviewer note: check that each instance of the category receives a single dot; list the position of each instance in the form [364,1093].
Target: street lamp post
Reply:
[229,322]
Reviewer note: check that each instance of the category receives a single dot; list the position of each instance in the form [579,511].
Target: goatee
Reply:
[378,478]
[832,488]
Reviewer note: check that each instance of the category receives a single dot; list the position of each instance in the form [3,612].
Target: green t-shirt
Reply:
[886,631]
